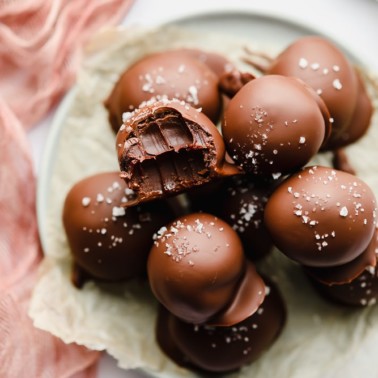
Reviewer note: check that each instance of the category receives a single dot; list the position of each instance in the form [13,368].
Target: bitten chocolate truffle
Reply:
[171,74]
[197,270]
[223,349]
[274,125]
[321,217]
[167,147]
[107,241]
[324,67]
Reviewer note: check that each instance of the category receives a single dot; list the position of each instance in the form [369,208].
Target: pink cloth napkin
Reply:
[40,44]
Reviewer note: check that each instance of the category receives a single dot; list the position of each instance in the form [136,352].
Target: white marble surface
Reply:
[353,23]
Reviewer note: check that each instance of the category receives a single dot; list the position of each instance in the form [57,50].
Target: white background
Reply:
[353,23]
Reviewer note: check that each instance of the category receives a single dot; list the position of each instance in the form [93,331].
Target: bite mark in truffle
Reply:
[167,147]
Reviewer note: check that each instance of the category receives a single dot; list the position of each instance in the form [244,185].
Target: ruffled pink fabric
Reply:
[40,44]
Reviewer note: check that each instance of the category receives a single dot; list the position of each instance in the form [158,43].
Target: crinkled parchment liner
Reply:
[319,339]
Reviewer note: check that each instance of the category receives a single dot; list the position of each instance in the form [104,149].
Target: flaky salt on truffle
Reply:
[206,348]
[240,201]
[171,74]
[361,291]
[197,270]
[324,67]
[107,241]
[321,217]
[274,125]
[346,273]
[167,147]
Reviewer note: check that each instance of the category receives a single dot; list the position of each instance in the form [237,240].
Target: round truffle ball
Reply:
[321,217]
[273,125]
[223,349]
[167,147]
[170,74]
[325,68]
[107,241]
[196,269]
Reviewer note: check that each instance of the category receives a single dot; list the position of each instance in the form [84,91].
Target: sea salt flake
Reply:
[336,68]
[337,84]
[344,211]
[85,201]
[126,116]
[193,92]
[303,63]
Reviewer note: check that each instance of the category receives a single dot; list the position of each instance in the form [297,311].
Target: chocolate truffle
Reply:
[223,349]
[197,270]
[342,274]
[167,147]
[361,291]
[325,68]
[360,120]
[241,205]
[170,74]
[240,201]
[232,81]
[274,125]
[321,217]
[107,241]
[218,63]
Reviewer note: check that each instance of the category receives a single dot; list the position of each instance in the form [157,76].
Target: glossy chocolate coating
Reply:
[341,161]
[240,201]
[171,74]
[107,241]
[218,63]
[325,68]
[360,120]
[231,82]
[273,125]
[222,349]
[321,217]
[342,274]
[361,292]
[167,147]
[242,206]
[197,270]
